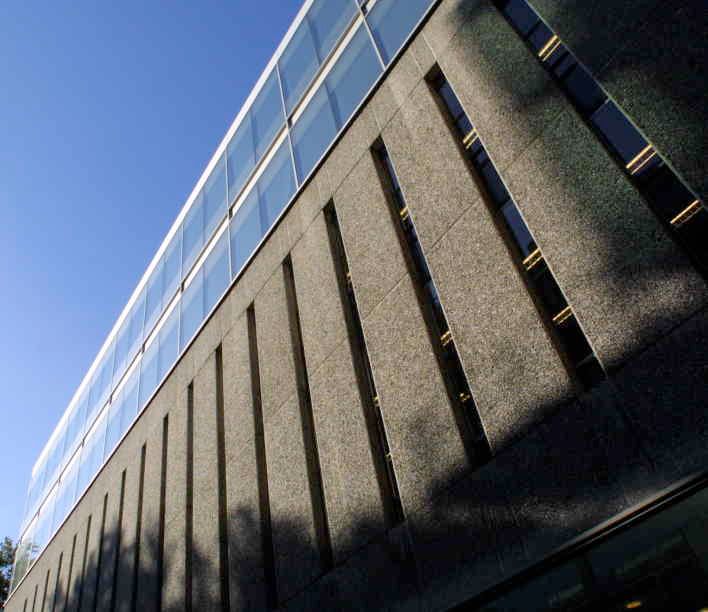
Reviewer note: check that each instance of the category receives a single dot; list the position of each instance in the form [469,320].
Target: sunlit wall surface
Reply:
[335,53]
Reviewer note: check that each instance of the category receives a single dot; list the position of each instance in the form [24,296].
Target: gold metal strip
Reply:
[551,50]
[470,139]
[645,161]
[563,315]
[403,213]
[465,397]
[548,44]
[446,338]
[638,156]
[532,259]
[687,213]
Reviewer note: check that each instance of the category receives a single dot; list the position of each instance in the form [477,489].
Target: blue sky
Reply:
[109,111]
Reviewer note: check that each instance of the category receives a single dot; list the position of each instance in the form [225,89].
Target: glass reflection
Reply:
[214,198]
[298,65]
[267,115]
[353,75]
[391,21]
[92,453]
[66,494]
[192,310]
[328,19]
[240,157]
[148,372]
[246,231]
[192,234]
[313,132]
[276,185]
[122,411]
[169,343]
[216,272]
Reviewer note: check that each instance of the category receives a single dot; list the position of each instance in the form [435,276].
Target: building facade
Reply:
[430,333]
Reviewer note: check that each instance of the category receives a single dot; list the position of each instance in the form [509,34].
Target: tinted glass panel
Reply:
[240,157]
[92,453]
[171,274]
[129,338]
[328,19]
[66,494]
[192,310]
[277,184]
[214,196]
[245,231]
[75,425]
[153,299]
[169,343]
[101,385]
[518,229]
[148,373]
[312,134]
[353,75]
[267,114]
[618,131]
[122,411]
[192,235]
[391,22]
[216,272]
[44,525]
[36,489]
[298,65]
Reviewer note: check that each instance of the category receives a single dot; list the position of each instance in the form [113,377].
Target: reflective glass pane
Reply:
[298,65]
[391,21]
[240,157]
[353,75]
[245,230]
[122,411]
[36,488]
[216,272]
[267,114]
[169,343]
[148,373]
[328,18]
[214,197]
[66,494]
[192,234]
[153,299]
[101,383]
[75,424]
[277,184]
[23,555]
[44,524]
[129,338]
[55,457]
[192,310]
[92,453]
[171,272]
[313,133]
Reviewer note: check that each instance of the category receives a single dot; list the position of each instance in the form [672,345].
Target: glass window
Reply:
[276,185]
[298,65]
[192,234]
[148,373]
[129,338]
[328,19]
[240,157]
[391,22]
[214,198]
[36,488]
[267,115]
[313,133]
[245,231]
[520,15]
[617,130]
[216,272]
[191,309]
[101,385]
[55,457]
[66,494]
[44,524]
[75,424]
[153,298]
[353,75]
[122,411]
[169,343]
[172,272]
[92,453]
[23,555]
[518,229]
[583,90]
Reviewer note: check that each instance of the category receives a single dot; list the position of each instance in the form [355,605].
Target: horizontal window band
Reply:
[687,213]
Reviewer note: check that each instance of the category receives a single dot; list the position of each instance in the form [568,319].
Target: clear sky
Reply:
[109,112]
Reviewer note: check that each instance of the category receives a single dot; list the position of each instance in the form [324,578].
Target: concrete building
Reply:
[430,332]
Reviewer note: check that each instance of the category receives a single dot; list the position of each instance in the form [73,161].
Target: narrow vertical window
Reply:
[558,313]
[469,422]
[378,439]
[672,202]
